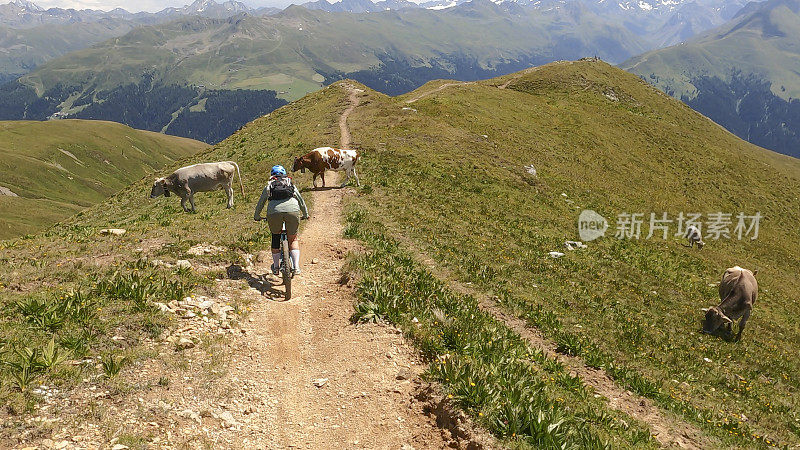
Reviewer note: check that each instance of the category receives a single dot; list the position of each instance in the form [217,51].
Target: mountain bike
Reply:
[285,267]
[286,264]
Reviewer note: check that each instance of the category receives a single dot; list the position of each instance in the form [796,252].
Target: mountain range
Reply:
[200,54]
[26,14]
[657,22]
[55,31]
[296,51]
[31,35]
[745,75]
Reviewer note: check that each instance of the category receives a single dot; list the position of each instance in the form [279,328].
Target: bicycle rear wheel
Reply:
[286,268]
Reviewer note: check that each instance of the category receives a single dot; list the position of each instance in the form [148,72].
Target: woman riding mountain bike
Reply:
[285,207]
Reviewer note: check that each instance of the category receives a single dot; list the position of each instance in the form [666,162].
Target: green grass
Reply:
[632,307]
[42,330]
[58,168]
[512,389]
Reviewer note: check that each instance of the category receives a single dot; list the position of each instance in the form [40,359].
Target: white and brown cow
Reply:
[328,158]
[694,236]
[738,291]
[203,177]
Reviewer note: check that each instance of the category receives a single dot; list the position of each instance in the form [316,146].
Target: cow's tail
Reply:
[241,184]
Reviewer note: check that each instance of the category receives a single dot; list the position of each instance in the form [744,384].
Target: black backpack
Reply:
[281,188]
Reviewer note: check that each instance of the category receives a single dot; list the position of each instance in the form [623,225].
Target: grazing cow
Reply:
[738,292]
[694,236]
[328,158]
[203,177]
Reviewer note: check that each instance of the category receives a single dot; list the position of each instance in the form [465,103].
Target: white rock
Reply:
[189,315]
[6,191]
[206,304]
[204,249]
[531,170]
[113,231]
[119,447]
[572,245]
[162,307]
[319,382]
[183,264]
[556,254]
[227,419]
[707,359]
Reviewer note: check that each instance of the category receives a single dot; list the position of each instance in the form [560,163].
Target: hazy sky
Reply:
[143,5]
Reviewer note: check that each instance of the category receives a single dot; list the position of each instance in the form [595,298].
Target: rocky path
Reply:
[304,377]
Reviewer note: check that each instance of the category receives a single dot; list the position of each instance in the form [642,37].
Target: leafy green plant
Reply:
[52,355]
[25,367]
[367,312]
[112,364]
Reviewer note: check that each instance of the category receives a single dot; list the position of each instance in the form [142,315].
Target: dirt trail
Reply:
[354,100]
[305,376]
[433,91]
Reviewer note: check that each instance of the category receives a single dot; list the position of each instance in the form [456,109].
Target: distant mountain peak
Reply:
[206,6]
[27,5]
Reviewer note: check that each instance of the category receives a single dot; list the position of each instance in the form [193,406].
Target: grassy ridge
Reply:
[31,267]
[57,168]
[608,142]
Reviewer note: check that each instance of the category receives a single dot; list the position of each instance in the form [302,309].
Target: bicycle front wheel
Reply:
[286,268]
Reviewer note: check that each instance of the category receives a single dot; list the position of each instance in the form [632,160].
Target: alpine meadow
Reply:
[399,225]
[52,170]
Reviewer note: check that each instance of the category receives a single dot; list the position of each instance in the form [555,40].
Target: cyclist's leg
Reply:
[275,222]
[292,221]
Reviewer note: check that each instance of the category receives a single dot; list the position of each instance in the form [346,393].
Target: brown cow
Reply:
[738,292]
[328,158]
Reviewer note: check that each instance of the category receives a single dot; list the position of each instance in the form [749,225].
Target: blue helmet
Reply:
[278,171]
